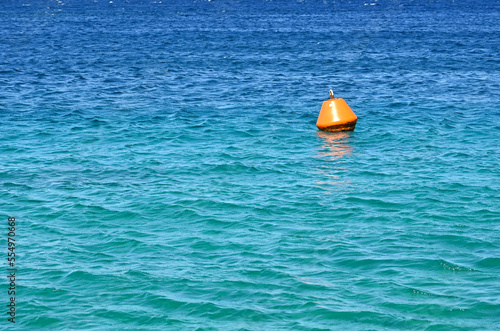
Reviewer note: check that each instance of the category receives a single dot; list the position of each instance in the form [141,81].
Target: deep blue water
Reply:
[162,162]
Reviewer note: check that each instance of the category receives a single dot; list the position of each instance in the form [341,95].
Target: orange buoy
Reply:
[336,115]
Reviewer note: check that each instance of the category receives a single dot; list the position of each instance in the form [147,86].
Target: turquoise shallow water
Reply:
[165,171]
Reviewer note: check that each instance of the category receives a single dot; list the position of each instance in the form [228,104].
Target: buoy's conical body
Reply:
[336,115]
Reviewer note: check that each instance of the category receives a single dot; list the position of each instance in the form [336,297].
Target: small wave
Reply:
[454,267]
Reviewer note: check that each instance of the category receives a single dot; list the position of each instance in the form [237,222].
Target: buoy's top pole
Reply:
[331,95]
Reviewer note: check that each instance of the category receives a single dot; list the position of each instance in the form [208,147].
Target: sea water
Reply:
[164,168]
